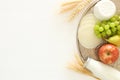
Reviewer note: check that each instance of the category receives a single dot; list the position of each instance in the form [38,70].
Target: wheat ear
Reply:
[78,66]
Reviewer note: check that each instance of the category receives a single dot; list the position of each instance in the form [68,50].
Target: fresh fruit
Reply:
[108,53]
[111,27]
[114,40]
[86,35]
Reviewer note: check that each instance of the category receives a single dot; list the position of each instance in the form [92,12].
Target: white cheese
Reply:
[104,9]
[86,35]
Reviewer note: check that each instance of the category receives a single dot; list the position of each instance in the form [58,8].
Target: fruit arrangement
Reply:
[98,38]
[99,31]
[101,26]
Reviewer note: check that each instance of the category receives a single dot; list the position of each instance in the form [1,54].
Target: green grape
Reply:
[116,23]
[97,32]
[96,27]
[113,19]
[101,29]
[114,29]
[118,32]
[118,27]
[116,16]
[114,33]
[112,25]
[98,23]
[99,35]
[119,18]
[103,34]
[102,24]
[108,22]
[106,27]
[108,32]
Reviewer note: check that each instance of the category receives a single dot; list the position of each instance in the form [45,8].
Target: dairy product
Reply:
[104,9]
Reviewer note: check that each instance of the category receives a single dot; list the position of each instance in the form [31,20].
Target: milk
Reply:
[101,70]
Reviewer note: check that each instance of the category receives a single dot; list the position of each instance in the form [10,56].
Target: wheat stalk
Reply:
[77,6]
[78,66]
[68,8]
[69,3]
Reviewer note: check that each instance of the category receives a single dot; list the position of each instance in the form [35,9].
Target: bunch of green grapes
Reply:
[108,28]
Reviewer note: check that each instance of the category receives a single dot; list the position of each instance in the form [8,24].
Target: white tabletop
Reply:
[36,42]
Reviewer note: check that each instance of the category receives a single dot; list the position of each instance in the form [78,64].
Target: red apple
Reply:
[108,53]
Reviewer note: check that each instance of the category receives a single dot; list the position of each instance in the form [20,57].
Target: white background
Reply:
[36,42]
